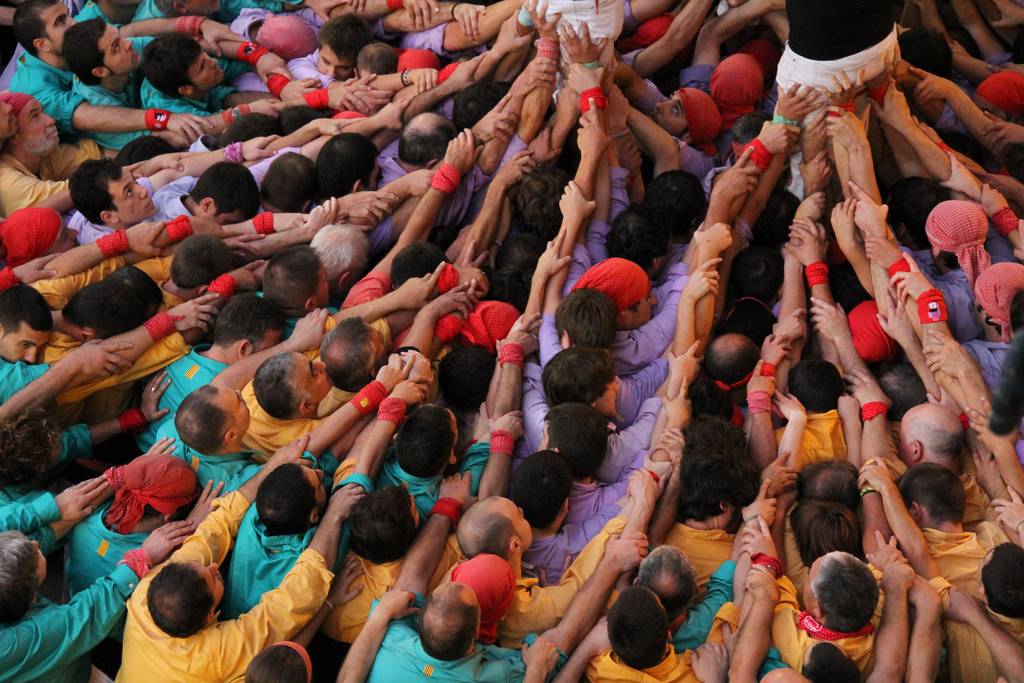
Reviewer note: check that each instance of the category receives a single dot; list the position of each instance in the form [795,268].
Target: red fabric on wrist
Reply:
[816,274]
[250,53]
[446,179]
[8,279]
[369,397]
[741,382]
[931,307]
[157,119]
[391,409]
[179,228]
[766,560]
[548,47]
[878,94]
[511,353]
[318,99]
[900,265]
[760,157]
[448,328]
[502,442]
[450,508]
[394,5]
[595,94]
[848,106]
[223,285]
[873,409]
[759,402]
[189,24]
[449,279]
[115,477]
[114,244]
[161,325]
[263,223]
[132,420]
[965,422]
[137,561]
[1005,221]
[767,369]
[227,116]
[276,83]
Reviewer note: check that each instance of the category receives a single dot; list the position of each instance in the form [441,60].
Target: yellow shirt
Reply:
[58,291]
[706,549]
[960,556]
[823,438]
[977,507]
[20,187]
[222,650]
[266,433]
[796,570]
[339,397]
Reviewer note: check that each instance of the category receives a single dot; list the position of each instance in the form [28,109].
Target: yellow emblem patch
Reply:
[428,670]
[104,547]
[192,371]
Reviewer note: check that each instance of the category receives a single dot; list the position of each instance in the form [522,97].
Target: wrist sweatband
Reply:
[547,47]
[1005,221]
[392,409]
[318,99]
[878,94]
[965,422]
[369,397]
[446,178]
[764,560]
[115,477]
[900,265]
[233,153]
[873,409]
[276,83]
[759,402]
[132,420]
[592,94]
[223,286]
[228,115]
[8,279]
[848,106]
[767,369]
[816,274]
[263,223]
[189,24]
[779,118]
[761,157]
[137,561]
[502,442]
[931,307]
[179,228]
[157,119]
[450,508]
[448,279]
[511,353]
[394,5]
[448,328]
[591,65]
[161,325]
[114,244]
[250,53]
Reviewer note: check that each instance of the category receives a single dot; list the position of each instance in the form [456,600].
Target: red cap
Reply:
[646,33]
[28,233]
[17,100]
[489,323]
[870,340]
[418,59]
[736,85]
[1004,89]
[623,281]
[703,120]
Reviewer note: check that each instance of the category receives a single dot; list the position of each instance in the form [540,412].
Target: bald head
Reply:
[731,357]
[931,433]
[425,139]
[449,621]
[487,527]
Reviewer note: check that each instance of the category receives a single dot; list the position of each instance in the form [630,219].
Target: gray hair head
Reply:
[670,575]
[19,575]
[846,591]
[341,248]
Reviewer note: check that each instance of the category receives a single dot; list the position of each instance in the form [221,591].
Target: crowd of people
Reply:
[556,340]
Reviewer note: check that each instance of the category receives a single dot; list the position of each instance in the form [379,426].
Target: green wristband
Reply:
[591,65]
[779,118]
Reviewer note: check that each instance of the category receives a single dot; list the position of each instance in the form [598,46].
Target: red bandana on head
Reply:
[815,629]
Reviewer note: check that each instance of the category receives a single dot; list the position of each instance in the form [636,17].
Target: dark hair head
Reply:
[290,183]
[731,357]
[520,252]
[821,527]
[828,664]
[142,148]
[382,525]
[903,386]
[540,486]
[748,317]
[166,61]
[1003,581]
[636,235]
[846,591]
[82,51]
[415,260]
[817,384]
[716,471]
[248,317]
[89,187]
[272,386]
[109,307]
[28,24]
[589,317]
[707,399]
[579,432]
[936,489]
[277,664]
[290,119]
[510,286]
[199,260]
[638,628]
[285,500]
[425,138]
[179,600]
[200,422]
[345,35]
[23,304]
[425,441]
[248,126]
[344,159]
[535,200]
[28,446]
[376,58]
[232,188]
[927,50]
[910,202]
[849,292]
[577,375]
[772,227]
[464,376]
[474,102]
[678,198]
[757,273]
[292,277]
[348,354]
[832,481]
[748,127]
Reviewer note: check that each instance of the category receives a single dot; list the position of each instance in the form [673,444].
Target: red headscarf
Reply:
[17,100]
[960,227]
[28,233]
[489,323]
[623,281]
[444,73]
[162,482]
[492,580]
[870,340]
[766,53]
[736,85]
[418,59]
[646,33]
[1004,89]
[703,120]
[994,291]
[287,36]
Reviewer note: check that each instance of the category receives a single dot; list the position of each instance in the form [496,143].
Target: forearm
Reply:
[665,512]
[585,608]
[1006,651]
[680,32]
[421,334]
[423,556]
[328,533]
[359,659]
[39,393]
[793,438]
[752,641]
[108,119]
[908,534]
[104,431]
[893,636]
[757,200]
[332,428]
[761,441]
[925,645]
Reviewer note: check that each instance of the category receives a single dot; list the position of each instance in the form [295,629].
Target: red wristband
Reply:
[114,244]
[223,285]
[511,353]
[446,178]
[137,561]
[900,265]
[250,53]
[263,223]
[760,157]
[318,99]
[759,402]
[450,508]
[228,116]
[276,83]
[157,119]
[548,47]
[767,369]
[132,420]
[592,94]
[449,278]
[1005,221]
[816,274]
[391,410]
[115,477]
[502,442]
[965,422]
[931,307]
[878,94]
[161,325]
[369,397]
[448,328]
[189,24]
[873,409]
[395,5]
[8,279]
[179,228]
[772,563]
[850,106]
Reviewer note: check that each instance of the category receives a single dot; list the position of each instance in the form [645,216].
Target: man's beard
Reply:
[40,146]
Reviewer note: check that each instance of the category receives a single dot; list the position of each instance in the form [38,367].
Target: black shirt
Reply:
[832,29]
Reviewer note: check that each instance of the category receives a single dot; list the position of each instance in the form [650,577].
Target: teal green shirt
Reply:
[51,643]
[234,469]
[32,515]
[75,442]
[101,97]
[93,11]
[425,490]
[147,9]
[16,376]
[212,102]
[51,86]
[186,374]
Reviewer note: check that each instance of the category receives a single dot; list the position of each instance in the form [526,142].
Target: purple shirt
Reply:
[547,557]
[962,321]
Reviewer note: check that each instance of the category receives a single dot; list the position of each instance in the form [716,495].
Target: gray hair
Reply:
[19,575]
[670,575]
[846,591]
[341,247]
